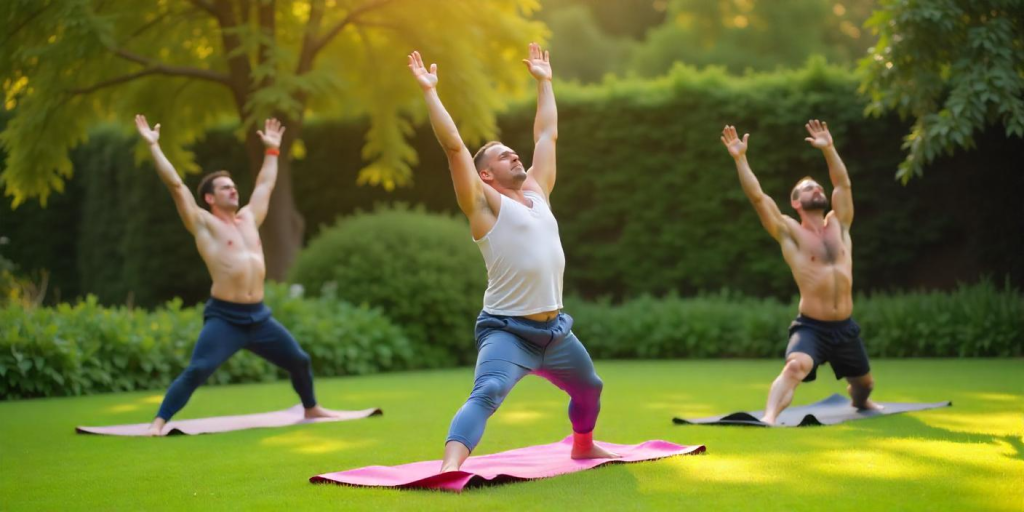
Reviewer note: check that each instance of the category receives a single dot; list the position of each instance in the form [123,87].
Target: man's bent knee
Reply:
[303,362]
[198,373]
[490,393]
[594,385]
[798,366]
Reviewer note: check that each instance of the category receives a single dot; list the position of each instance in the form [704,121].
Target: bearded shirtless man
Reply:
[228,240]
[818,250]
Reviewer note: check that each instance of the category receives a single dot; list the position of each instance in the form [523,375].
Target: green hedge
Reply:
[422,270]
[647,199]
[86,348]
[981,320]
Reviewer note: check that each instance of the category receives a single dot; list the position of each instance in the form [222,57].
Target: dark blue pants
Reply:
[510,348]
[228,328]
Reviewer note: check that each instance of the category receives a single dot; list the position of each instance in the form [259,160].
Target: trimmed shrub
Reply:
[86,348]
[981,320]
[713,325]
[421,269]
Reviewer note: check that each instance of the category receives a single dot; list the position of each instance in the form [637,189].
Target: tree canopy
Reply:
[956,67]
[67,64]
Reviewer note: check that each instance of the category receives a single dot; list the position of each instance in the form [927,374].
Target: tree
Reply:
[576,38]
[191,64]
[754,34]
[629,19]
[955,66]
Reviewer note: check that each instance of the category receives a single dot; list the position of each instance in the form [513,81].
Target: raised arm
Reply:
[545,125]
[184,201]
[842,193]
[469,188]
[771,218]
[259,202]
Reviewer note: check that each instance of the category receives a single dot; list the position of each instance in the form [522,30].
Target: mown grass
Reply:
[968,457]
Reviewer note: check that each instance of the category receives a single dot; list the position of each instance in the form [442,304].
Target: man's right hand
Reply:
[426,79]
[733,143]
[151,136]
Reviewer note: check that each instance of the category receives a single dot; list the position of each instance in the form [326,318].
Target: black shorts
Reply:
[837,343]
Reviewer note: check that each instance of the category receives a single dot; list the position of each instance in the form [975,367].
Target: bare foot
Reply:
[584,447]
[455,453]
[595,452]
[156,428]
[768,421]
[319,412]
[868,405]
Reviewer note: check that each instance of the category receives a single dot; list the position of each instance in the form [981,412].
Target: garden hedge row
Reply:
[87,348]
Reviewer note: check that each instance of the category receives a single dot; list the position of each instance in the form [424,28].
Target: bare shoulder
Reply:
[246,216]
[531,185]
[489,202]
[202,219]
[244,213]
[791,226]
[832,219]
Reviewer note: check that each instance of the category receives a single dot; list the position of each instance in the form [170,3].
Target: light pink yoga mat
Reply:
[520,464]
[292,416]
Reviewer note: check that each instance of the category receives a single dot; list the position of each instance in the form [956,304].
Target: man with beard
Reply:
[521,329]
[228,240]
[818,250]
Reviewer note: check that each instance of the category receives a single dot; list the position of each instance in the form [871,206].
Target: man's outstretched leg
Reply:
[798,366]
[860,389]
[275,344]
[568,366]
[493,381]
[218,341]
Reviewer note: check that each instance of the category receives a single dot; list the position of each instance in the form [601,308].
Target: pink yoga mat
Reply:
[292,416]
[520,464]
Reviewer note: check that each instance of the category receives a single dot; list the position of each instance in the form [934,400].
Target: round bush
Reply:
[423,270]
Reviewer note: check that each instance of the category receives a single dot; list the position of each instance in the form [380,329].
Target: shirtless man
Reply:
[228,239]
[818,250]
[521,329]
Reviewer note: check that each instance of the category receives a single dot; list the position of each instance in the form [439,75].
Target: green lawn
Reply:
[968,457]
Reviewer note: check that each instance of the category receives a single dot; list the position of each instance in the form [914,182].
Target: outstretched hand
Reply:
[272,133]
[151,136]
[737,147]
[820,137]
[539,63]
[426,79]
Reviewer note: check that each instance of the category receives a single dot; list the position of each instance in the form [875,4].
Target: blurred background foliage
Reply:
[654,224]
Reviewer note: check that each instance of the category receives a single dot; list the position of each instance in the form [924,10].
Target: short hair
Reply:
[478,158]
[206,186]
[796,193]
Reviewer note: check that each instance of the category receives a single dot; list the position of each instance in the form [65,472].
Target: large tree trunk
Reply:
[283,229]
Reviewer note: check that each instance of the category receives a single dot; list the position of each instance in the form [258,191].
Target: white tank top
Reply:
[524,259]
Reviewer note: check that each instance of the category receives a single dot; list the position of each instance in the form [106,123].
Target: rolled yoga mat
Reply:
[830,411]
[528,463]
[287,417]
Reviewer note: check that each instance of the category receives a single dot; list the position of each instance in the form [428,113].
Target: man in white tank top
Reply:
[521,329]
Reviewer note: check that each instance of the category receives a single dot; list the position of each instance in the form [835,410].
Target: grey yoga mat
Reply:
[287,417]
[830,411]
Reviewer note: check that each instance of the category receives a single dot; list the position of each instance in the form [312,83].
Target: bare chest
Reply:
[826,248]
[226,240]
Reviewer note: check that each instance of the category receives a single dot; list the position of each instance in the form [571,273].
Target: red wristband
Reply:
[273,151]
